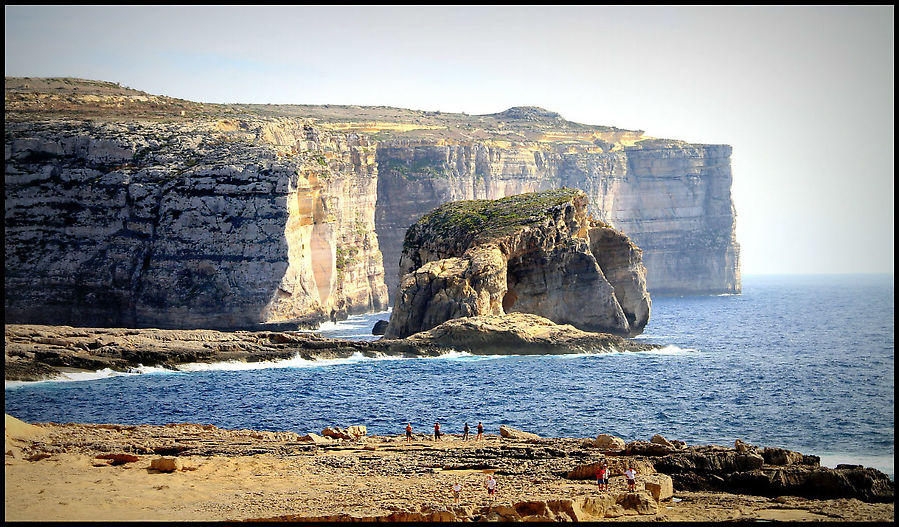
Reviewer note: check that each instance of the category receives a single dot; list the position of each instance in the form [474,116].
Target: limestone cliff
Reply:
[201,222]
[528,253]
[130,209]
[670,197]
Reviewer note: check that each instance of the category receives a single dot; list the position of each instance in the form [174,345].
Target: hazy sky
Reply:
[803,94]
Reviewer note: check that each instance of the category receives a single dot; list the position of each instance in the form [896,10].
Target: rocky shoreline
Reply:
[201,472]
[37,352]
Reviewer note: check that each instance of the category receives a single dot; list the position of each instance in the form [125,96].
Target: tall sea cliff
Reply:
[129,209]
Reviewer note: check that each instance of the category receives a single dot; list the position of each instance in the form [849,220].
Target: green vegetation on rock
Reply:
[486,219]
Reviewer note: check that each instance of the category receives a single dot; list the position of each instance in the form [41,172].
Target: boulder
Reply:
[352,432]
[659,486]
[742,447]
[335,433]
[315,439]
[659,440]
[510,433]
[379,328]
[609,442]
[639,501]
[357,431]
[166,464]
[781,456]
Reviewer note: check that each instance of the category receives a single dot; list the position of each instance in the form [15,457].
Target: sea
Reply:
[797,362]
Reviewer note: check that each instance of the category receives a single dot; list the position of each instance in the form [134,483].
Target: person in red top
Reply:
[602,478]
[408,431]
[480,432]
[436,431]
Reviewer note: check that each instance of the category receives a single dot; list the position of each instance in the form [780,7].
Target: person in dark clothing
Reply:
[465,433]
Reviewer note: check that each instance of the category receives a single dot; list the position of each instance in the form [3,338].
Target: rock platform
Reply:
[68,471]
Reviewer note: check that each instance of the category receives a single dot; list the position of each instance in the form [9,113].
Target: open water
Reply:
[799,362]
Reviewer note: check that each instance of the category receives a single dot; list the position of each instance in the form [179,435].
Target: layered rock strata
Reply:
[529,253]
[130,209]
[671,198]
[209,223]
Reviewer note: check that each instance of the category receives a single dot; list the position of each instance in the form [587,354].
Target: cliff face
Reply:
[204,223]
[130,209]
[529,253]
[671,198]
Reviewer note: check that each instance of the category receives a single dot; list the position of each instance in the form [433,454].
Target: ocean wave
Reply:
[81,376]
[670,349]
[295,362]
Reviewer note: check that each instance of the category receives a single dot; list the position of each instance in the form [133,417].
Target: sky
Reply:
[803,94]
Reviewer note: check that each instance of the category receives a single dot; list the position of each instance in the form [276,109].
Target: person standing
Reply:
[491,488]
[408,431]
[631,476]
[457,492]
[480,432]
[437,431]
[465,432]
[602,478]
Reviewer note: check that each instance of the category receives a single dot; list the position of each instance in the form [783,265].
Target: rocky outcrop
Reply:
[35,352]
[209,223]
[521,334]
[530,253]
[749,472]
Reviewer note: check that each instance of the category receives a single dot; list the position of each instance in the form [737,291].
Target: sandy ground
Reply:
[76,486]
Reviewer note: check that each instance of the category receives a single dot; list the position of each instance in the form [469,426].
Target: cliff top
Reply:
[483,220]
[34,98]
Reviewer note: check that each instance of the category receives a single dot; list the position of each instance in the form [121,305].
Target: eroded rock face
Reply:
[531,253]
[208,223]
[672,198]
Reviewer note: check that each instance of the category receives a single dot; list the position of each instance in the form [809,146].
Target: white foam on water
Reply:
[670,349]
[81,376]
[355,327]
[466,356]
[295,362]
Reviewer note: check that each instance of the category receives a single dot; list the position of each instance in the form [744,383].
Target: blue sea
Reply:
[799,362]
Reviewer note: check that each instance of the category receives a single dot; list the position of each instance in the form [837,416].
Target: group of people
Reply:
[438,434]
[490,485]
[602,478]
[602,473]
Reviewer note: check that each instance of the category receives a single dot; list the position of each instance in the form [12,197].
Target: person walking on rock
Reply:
[480,432]
[408,431]
[436,431]
[602,478]
[491,488]
[465,432]
[631,476]
[457,492]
